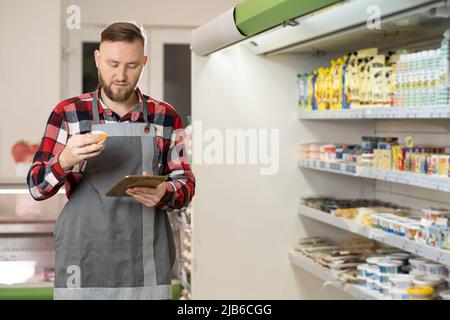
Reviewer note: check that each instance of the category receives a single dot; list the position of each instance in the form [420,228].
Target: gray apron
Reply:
[114,247]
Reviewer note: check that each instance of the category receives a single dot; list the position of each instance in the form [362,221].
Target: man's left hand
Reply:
[149,197]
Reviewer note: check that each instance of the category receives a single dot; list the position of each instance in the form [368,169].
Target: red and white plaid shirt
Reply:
[74,115]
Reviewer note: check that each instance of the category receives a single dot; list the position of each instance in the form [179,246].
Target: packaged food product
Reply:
[436,283]
[443,165]
[411,230]
[420,293]
[385,277]
[390,266]
[418,264]
[372,284]
[362,281]
[436,269]
[362,269]
[399,294]
[435,213]
[376,97]
[386,289]
[402,281]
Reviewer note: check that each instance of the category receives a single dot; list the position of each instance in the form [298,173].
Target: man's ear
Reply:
[145,60]
[97,57]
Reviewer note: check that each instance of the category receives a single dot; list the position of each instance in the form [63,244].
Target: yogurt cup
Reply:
[436,283]
[418,264]
[377,276]
[385,278]
[372,285]
[386,289]
[399,294]
[370,272]
[362,281]
[362,269]
[373,261]
[437,269]
[420,293]
[391,266]
[402,281]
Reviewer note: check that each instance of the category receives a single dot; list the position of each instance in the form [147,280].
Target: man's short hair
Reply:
[123,31]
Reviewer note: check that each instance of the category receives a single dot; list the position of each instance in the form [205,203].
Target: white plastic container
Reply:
[386,289]
[392,266]
[385,278]
[372,285]
[362,281]
[402,281]
[418,264]
[362,269]
[399,294]
[438,284]
[370,272]
[436,269]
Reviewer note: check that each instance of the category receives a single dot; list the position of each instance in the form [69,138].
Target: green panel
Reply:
[47,293]
[254,16]
[26,293]
[176,291]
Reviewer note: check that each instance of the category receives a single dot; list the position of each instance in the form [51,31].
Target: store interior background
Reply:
[244,224]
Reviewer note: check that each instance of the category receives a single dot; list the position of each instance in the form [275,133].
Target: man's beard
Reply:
[118,96]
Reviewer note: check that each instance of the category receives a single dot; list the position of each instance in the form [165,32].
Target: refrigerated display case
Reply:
[251,84]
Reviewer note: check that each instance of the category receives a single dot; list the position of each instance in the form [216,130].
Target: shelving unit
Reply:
[354,290]
[408,178]
[436,112]
[438,255]
[386,122]
[257,77]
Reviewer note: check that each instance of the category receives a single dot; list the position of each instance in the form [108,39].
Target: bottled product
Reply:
[366,79]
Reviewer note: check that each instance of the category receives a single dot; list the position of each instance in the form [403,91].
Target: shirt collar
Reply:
[135,113]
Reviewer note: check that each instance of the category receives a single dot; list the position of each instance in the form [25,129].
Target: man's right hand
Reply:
[80,147]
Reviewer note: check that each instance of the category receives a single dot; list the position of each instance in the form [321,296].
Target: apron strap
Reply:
[96,116]
[95,107]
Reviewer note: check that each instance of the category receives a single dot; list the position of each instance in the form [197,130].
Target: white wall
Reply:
[172,13]
[32,37]
[30,67]
[245,223]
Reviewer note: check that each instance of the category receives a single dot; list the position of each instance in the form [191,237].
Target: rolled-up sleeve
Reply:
[181,180]
[45,176]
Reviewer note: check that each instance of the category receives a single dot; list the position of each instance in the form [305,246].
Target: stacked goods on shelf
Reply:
[383,153]
[340,258]
[394,274]
[358,209]
[422,78]
[432,228]
[186,255]
[400,276]
[368,79]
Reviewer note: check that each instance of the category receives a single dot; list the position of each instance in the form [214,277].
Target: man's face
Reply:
[120,66]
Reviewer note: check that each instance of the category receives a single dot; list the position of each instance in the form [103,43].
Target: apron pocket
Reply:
[112,263]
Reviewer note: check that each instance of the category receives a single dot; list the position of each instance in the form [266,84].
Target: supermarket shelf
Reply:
[354,290]
[437,112]
[408,178]
[438,255]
